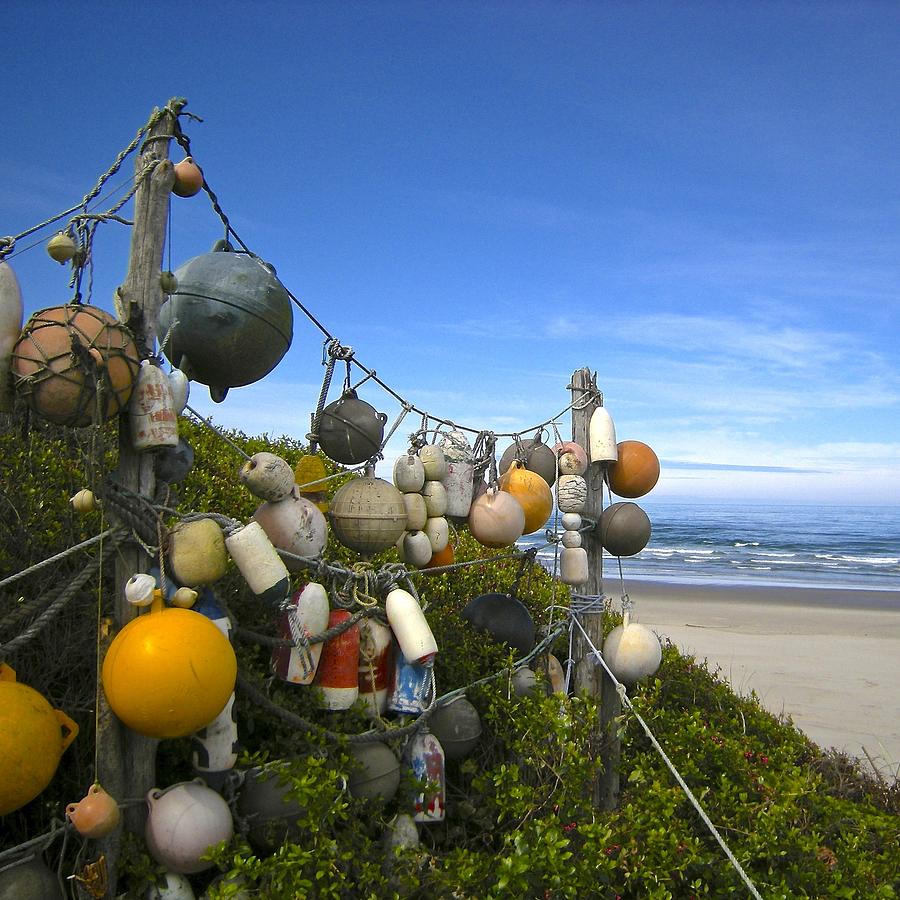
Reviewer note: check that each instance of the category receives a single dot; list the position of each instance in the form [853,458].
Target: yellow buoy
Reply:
[169,673]
[532,492]
[33,736]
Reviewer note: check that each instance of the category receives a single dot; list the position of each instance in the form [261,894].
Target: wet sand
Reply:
[828,658]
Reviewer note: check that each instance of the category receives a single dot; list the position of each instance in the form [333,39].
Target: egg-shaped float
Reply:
[169,672]
[635,472]
[65,355]
[229,322]
[624,529]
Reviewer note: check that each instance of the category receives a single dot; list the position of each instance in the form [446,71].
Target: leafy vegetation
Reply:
[519,823]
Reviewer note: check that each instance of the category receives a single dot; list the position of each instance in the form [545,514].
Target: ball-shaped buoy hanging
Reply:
[33,736]
[496,519]
[571,458]
[635,472]
[375,773]
[368,515]
[184,823]
[532,492]
[188,178]
[534,455]
[29,880]
[504,618]
[624,529]
[65,354]
[457,726]
[269,809]
[229,322]
[169,673]
[632,652]
[295,525]
[351,430]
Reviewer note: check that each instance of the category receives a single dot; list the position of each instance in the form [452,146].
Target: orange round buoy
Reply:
[64,354]
[635,472]
[532,492]
[443,557]
[188,178]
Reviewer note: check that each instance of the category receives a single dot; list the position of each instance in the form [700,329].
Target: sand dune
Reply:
[828,658]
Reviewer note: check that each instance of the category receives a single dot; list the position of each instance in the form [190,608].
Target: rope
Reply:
[65,595]
[173,107]
[58,557]
[620,690]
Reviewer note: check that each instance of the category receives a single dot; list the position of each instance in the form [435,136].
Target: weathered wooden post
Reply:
[126,760]
[589,676]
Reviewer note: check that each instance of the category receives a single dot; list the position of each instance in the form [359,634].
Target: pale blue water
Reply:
[813,546]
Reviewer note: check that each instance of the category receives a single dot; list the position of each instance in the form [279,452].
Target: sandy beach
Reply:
[828,658]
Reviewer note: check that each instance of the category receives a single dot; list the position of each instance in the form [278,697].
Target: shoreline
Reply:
[829,658]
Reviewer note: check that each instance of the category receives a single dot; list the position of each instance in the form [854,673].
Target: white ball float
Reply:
[632,652]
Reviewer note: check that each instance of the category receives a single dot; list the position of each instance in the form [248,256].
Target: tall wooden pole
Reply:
[590,677]
[126,760]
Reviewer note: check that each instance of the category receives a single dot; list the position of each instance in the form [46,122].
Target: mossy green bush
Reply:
[519,819]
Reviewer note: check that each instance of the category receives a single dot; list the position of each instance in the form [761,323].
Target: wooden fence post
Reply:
[127,760]
[589,676]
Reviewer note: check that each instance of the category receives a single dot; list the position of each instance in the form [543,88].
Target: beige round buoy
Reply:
[197,552]
[632,652]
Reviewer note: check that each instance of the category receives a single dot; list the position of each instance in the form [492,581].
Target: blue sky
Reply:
[697,200]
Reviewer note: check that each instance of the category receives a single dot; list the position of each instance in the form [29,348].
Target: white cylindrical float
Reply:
[151,410]
[410,626]
[573,565]
[258,561]
[304,614]
[426,758]
[460,474]
[375,665]
[215,747]
[11,313]
[602,436]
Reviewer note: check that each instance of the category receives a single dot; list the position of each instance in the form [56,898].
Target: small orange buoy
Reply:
[636,471]
[443,557]
[188,178]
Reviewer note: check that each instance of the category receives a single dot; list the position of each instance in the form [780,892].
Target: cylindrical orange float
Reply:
[338,673]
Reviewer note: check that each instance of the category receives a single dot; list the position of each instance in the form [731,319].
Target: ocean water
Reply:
[718,543]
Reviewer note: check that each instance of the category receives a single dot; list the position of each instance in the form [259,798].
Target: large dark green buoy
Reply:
[229,322]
